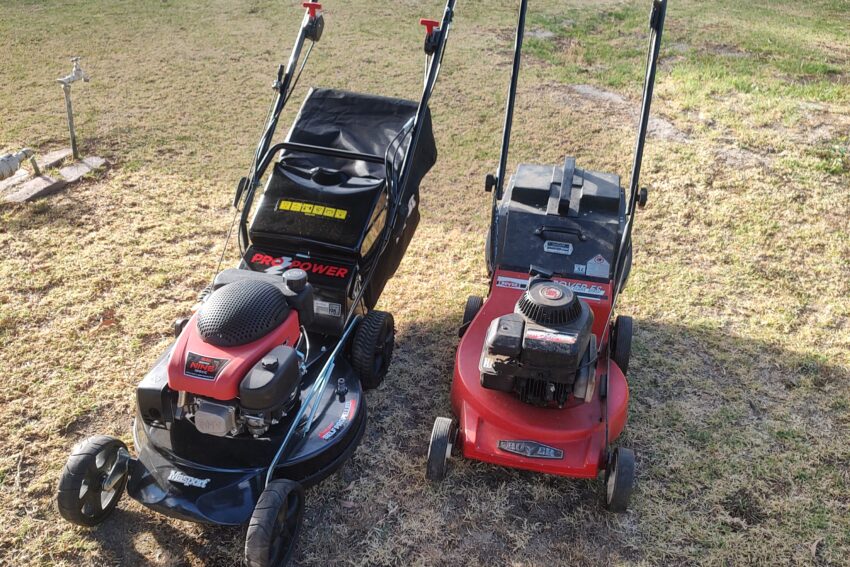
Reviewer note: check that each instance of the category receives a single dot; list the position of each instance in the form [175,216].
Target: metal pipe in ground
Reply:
[67,90]
[76,74]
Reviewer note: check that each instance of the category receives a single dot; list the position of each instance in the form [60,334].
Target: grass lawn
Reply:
[740,291]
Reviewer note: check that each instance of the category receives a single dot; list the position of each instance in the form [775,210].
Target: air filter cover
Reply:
[242,312]
[548,303]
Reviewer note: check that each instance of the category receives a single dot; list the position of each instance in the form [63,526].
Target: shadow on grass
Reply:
[135,538]
[497,507]
[62,210]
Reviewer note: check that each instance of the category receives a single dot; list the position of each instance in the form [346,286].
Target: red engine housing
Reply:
[487,417]
[215,372]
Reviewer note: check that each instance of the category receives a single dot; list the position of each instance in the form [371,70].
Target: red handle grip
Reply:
[429,25]
[314,8]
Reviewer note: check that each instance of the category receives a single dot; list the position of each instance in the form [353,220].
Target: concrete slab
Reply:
[19,177]
[74,172]
[52,159]
[36,188]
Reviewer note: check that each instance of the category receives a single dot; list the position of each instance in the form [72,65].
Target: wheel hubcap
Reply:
[96,495]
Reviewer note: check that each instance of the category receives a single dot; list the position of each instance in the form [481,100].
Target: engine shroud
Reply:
[247,315]
[543,349]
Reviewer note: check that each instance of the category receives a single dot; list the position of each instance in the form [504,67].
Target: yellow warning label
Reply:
[312,209]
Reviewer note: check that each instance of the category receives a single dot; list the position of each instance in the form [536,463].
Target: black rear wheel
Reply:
[443,437]
[619,479]
[275,525]
[621,341]
[93,480]
[473,306]
[372,350]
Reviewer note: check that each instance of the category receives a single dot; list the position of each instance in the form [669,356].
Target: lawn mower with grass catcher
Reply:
[540,376]
[261,393]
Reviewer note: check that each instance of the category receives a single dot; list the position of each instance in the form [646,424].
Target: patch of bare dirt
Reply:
[540,33]
[722,50]
[659,127]
[741,158]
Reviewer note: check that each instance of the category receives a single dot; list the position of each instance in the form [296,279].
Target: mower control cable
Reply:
[311,399]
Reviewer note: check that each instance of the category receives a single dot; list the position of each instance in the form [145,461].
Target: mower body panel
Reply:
[216,372]
[185,474]
[497,427]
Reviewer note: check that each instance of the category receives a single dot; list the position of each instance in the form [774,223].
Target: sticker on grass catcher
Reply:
[556,247]
[598,267]
[531,449]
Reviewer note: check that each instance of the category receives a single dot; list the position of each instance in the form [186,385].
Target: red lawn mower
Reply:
[540,375]
[262,391]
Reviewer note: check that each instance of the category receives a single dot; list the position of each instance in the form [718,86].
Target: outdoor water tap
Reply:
[77,73]
[10,163]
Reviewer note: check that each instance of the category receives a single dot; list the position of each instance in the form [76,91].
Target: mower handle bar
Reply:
[316,150]
[264,155]
[656,27]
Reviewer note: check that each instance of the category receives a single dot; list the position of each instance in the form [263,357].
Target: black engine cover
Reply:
[242,312]
[272,382]
[540,362]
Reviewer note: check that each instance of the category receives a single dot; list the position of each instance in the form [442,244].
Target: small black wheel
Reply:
[619,479]
[473,306]
[621,341]
[443,437]
[275,524]
[93,480]
[373,348]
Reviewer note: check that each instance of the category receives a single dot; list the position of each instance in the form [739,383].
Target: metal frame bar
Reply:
[506,131]
[511,102]
[656,25]
[313,395]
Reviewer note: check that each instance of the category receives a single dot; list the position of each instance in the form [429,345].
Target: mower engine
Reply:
[544,349]
[266,395]
[237,365]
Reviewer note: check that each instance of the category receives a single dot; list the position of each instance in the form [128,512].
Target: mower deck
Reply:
[490,421]
[187,475]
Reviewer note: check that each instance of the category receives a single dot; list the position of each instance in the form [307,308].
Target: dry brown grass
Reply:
[741,406]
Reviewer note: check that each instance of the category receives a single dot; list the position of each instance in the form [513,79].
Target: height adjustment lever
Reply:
[432,35]
[315,23]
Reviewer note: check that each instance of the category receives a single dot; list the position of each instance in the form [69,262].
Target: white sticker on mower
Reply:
[511,283]
[598,267]
[555,247]
[186,480]
[552,337]
[326,308]
[580,269]
[531,449]
[588,291]
[335,427]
